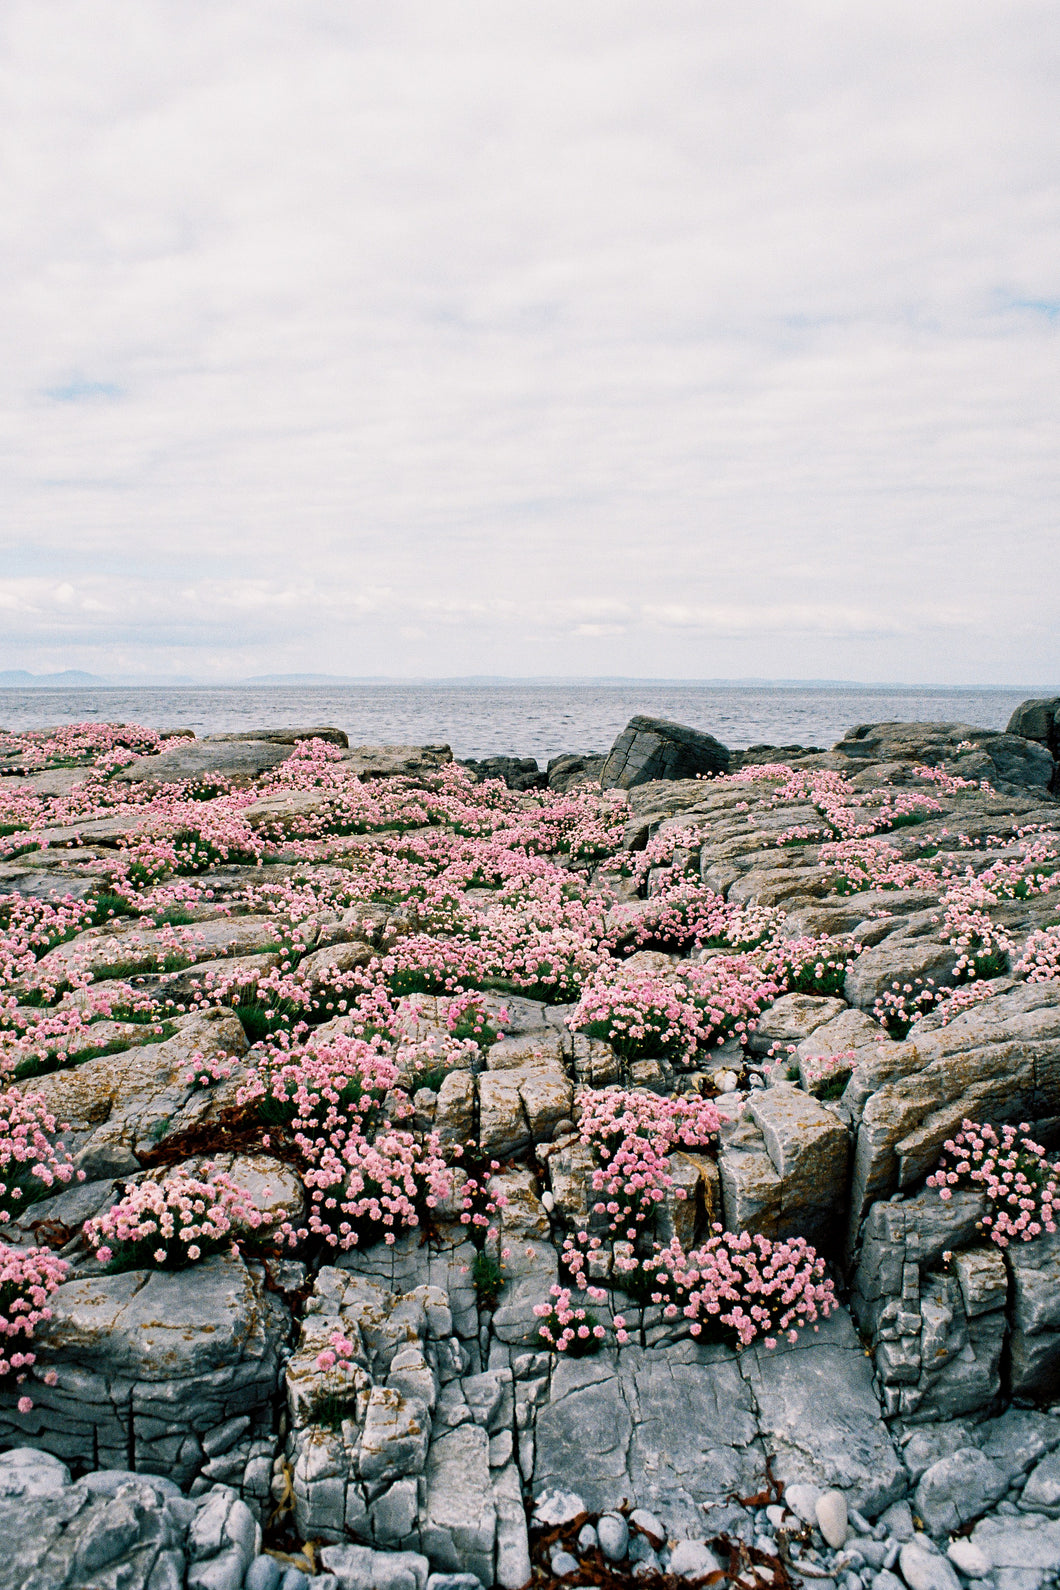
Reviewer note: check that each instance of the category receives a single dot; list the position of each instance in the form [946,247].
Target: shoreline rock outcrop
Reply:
[535,1088]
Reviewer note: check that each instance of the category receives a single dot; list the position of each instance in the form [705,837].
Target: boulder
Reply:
[649,749]
[148,1363]
[1007,761]
[517,772]
[1039,720]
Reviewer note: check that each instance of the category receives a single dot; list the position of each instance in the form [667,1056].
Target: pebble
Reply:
[641,1552]
[548,1201]
[767,1544]
[263,1574]
[563,1562]
[831,1513]
[613,1532]
[802,1499]
[898,1521]
[558,1507]
[587,1538]
[294,1579]
[926,1570]
[648,1524]
[888,1581]
[690,1559]
[969,1558]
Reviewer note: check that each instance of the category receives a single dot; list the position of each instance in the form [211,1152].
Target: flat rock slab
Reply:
[673,1429]
[239,760]
[158,1325]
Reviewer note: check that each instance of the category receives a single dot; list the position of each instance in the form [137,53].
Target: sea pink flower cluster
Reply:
[94,743]
[31,1163]
[747,1285]
[365,1189]
[1040,961]
[28,1277]
[1022,1187]
[631,1135]
[569,1327]
[176,1221]
[811,964]
[688,915]
[873,863]
[640,1013]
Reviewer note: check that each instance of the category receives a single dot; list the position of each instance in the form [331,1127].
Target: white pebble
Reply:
[690,1559]
[613,1533]
[969,1558]
[802,1499]
[548,1201]
[925,1570]
[587,1538]
[831,1513]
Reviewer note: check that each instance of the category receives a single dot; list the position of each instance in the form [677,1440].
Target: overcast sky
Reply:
[649,338]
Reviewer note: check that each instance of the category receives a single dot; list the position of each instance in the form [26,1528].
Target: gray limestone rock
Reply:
[957,1489]
[650,749]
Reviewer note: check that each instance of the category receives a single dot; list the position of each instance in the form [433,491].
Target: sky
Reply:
[665,340]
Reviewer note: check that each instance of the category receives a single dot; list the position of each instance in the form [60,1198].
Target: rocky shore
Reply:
[421,1176]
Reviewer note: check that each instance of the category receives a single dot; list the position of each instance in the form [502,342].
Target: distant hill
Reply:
[18,678]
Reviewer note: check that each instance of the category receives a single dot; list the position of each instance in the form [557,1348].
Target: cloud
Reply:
[561,338]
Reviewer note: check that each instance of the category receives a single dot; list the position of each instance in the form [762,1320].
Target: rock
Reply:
[792,1018]
[803,1499]
[588,1539]
[820,1416]
[70,1536]
[555,1508]
[690,1559]
[148,1362]
[359,1568]
[459,1519]
[809,1148]
[968,1558]
[650,749]
[1007,760]
[831,1514]
[517,772]
[1022,1551]
[1039,720]
[1041,1494]
[957,1489]
[897,1520]
[263,1574]
[214,756]
[613,1533]
[647,1523]
[926,1570]
[568,771]
[563,1562]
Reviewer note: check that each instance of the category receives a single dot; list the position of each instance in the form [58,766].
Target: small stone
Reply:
[588,1539]
[886,1580]
[969,1558]
[263,1574]
[613,1533]
[897,1520]
[767,1544]
[563,1563]
[803,1499]
[648,1525]
[690,1559]
[294,1579]
[831,1514]
[548,1201]
[558,1507]
[926,1570]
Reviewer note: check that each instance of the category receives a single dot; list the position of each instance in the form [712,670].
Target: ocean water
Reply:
[512,719]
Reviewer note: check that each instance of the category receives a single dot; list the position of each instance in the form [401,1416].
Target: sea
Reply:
[513,719]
